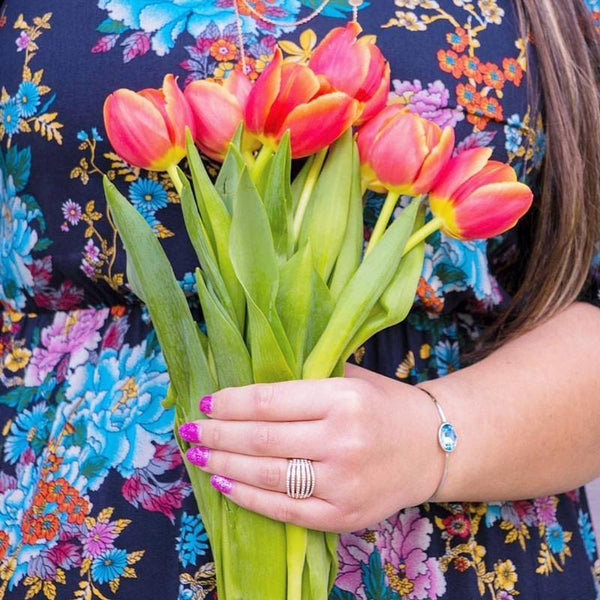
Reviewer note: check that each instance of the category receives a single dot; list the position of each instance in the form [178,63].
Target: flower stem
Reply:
[261,162]
[297,540]
[418,236]
[174,175]
[307,191]
[383,219]
[249,158]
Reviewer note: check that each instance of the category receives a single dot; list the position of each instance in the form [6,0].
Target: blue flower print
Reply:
[513,130]
[447,354]
[192,541]
[28,98]
[587,534]
[17,240]
[555,538]
[9,117]
[29,430]
[109,566]
[121,414]
[593,4]
[147,195]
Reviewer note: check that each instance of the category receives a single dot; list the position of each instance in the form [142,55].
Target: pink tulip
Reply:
[218,111]
[478,198]
[403,153]
[291,97]
[147,128]
[354,66]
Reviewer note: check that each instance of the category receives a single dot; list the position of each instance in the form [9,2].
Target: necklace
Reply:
[355,4]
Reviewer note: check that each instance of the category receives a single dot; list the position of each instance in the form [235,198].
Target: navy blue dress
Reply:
[94,498]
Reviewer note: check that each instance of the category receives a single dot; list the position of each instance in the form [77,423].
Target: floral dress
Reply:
[94,498]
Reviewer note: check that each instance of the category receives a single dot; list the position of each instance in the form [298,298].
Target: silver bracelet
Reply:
[447,439]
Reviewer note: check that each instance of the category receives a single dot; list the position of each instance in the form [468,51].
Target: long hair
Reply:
[564,225]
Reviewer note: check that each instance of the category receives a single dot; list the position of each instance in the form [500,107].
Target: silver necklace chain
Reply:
[240,34]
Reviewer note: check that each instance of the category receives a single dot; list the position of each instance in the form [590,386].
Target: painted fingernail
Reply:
[221,484]
[198,455]
[190,432]
[206,404]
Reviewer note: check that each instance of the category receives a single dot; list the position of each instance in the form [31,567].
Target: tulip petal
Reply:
[179,111]
[136,129]
[375,73]
[492,209]
[368,132]
[378,100]
[434,164]
[459,169]
[217,115]
[298,85]
[334,113]
[239,85]
[493,172]
[263,95]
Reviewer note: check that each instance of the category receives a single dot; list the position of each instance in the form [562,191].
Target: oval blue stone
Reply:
[447,437]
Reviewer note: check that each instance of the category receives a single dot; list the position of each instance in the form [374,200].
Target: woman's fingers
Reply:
[261,472]
[262,438]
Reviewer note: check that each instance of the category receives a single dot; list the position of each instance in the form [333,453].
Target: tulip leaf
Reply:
[277,198]
[325,221]
[229,173]
[217,222]
[300,181]
[232,360]
[321,308]
[352,247]
[175,328]
[360,295]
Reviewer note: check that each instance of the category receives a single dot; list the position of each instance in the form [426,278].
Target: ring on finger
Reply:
[300,478]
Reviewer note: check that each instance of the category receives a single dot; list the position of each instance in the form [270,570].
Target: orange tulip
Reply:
[291,97]
[477,198]
[147,128]
[354,66]
[218,110]
[403,153]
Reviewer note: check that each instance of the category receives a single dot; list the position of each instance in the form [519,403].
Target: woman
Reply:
[94,501]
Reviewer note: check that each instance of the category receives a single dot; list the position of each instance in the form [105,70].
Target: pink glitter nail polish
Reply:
[198,455]
[221,484]
[190,432]
[206,404]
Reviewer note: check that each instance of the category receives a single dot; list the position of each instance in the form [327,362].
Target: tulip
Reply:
[147,128]
[401,153]
[291,97]
[218,111]
[478,198]
[354,66]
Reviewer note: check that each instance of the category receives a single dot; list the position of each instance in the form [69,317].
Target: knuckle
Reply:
[284,512]
[263,398]
[212,434]
[269,476]
[263,440]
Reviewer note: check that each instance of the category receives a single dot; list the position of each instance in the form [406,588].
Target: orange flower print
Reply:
[477,118]
[69,497]
[461,564]
[468,96]
[250,71]
[55,490]
[458,39]
[78,510]
[427,296]
[223,50]
[449,62]
[493,76]
[3,544]
[512,71]
[37,528]
[469,65]
[492,108]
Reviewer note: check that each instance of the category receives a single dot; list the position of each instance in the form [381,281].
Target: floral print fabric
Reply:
[94,498]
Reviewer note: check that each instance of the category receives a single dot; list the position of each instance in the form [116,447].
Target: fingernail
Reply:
[198,455]
[221,484]
[206,404]
[190,432]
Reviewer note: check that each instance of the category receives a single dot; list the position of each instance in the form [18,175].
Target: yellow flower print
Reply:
[491,11]
[402,585]
[506,576]
[407,19]
[300,53]
[16,359]
[223,69]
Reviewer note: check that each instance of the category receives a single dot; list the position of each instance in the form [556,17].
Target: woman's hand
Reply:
[372,441]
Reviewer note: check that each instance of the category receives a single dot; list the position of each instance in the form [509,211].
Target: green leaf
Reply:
[232,360]
[112,26]
[351,251]
[321,309]
[229,173]
[300,181]
[360,295]
[324,224]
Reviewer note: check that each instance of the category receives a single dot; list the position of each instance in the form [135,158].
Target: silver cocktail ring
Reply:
[300,478]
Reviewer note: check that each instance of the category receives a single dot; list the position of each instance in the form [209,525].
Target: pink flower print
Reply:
[353,551]
[403,542]
[71,212]
[99,539]
[72,336]
[88,268]
[430,103]
[545,510]
[92,252]
[22,41]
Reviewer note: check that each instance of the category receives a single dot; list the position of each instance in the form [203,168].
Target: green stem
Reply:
[174,175]
[418,236]
[383,220]
[297,541]
[261,162]
[249,158]
[307,190]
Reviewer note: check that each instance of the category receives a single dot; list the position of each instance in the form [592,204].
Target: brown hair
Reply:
[564,224]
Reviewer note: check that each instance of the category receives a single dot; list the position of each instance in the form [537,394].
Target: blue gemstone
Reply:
[447,437]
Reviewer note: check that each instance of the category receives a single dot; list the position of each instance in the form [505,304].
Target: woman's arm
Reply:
[527,416]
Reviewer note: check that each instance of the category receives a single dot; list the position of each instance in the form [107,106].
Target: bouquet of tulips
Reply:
[286,288]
